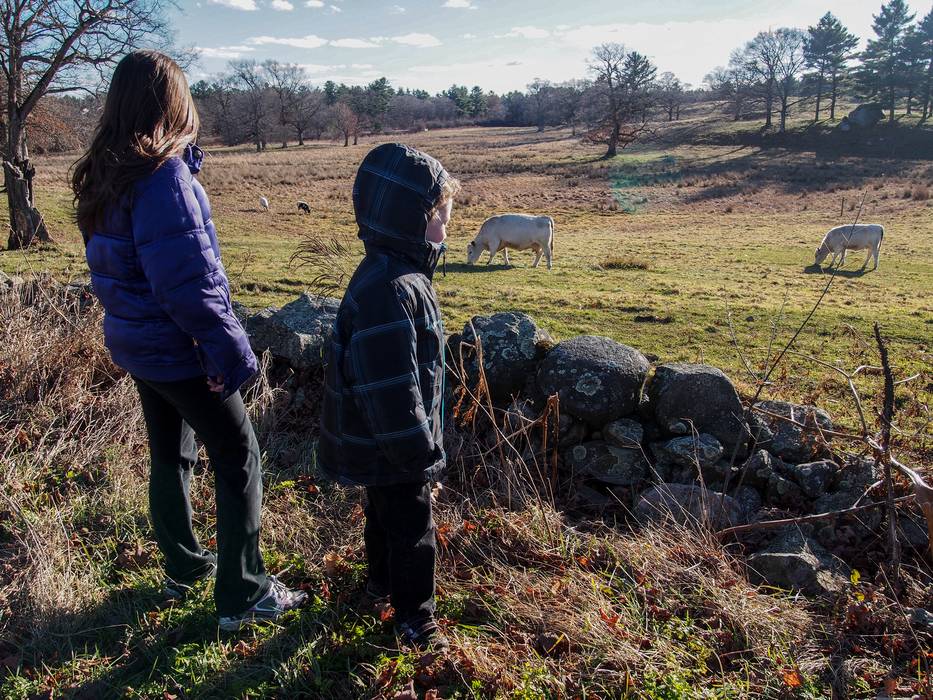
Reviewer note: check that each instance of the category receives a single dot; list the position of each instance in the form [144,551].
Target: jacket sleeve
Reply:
[179,261]
[384,361]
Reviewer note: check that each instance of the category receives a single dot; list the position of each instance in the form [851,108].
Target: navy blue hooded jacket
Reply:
[155,266]
[381,422]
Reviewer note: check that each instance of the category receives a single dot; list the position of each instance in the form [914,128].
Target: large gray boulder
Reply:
[813,477]
[865,116]
[689,451]
[688,504]
[297,333]
[795,562]
[624,432]
[791,442]
[680,395]
[606,463]
[597,379]
[512,346]
[760,468]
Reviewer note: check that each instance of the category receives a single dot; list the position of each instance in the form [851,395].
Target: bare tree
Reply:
[791,58]
[55,46]
[622,96]
[346,122]
[285,79]
[671,94]
[307,111]
[250,81]
[540,93]
[761,57]
[570,99]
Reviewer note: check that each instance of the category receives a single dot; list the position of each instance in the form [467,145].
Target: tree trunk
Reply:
[769,104]
[819,95]
[613,141]
[346,139]
[891,99]
[910,99]
[26,224]
[832,102]
[356,139]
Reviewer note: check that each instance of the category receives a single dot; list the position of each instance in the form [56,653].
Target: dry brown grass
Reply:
[534,601]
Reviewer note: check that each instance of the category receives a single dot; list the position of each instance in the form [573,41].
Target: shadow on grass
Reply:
[818,269]
[320,650]
[479,267]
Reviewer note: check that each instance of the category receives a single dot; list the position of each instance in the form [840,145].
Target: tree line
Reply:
[779,68]
[775,73]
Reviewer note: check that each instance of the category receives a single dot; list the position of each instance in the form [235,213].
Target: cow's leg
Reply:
[842,260]
[547,255]
[876,251]
[493,249]
[538,254]
[505,254]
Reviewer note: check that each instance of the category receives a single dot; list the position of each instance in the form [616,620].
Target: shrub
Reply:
[624,263]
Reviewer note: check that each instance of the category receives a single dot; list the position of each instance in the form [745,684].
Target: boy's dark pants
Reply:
[174,413]
[401,548]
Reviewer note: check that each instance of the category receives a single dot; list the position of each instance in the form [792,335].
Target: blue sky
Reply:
[498,44]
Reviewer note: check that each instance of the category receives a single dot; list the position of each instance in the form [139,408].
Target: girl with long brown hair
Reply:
[155,266]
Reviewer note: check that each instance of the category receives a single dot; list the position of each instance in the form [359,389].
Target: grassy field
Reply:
[673,247]
[694,246]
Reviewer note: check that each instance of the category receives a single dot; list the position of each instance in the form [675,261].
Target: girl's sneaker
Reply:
[279,600]
[423,634]
[179,590]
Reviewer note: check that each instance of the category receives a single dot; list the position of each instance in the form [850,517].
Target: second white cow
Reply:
[515,231]
[847,237]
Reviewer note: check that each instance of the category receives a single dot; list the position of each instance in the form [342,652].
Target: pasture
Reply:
[690,247]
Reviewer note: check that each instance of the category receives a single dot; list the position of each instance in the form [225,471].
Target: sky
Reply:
[501,45]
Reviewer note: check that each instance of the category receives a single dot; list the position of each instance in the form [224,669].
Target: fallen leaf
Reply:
[792,679]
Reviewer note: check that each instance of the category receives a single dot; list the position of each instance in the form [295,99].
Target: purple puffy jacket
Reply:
[155,266]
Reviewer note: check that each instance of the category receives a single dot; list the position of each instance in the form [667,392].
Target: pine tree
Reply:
[922,47]
[828,49]
[884,60]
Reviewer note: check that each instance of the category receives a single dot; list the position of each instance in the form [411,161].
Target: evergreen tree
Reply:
[477,101]
[828,48]
[921,48]
[884,60]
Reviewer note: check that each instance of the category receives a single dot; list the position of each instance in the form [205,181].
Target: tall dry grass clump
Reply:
[70,436]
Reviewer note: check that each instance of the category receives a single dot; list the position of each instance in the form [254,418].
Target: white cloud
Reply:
[460,4]
[354,44]
[223,51]
[397,10]
[281,5]
[248,5]
[314,3]
[422,41]
[334,9]
[527,32]
[300,42]
[469,36]
[361,66]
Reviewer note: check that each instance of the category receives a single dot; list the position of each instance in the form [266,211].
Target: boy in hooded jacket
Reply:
[382,417]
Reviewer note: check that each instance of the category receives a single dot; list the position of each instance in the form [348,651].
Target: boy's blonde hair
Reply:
[450,189]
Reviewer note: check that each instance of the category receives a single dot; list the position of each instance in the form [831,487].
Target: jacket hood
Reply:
[193,157]
[394,192]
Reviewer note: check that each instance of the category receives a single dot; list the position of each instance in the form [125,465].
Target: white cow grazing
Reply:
[851,237]
[264,203]
[516,231]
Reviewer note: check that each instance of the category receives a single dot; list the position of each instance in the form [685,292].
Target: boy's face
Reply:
[437,226]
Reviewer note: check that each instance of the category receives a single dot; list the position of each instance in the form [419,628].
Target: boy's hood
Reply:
[395,189]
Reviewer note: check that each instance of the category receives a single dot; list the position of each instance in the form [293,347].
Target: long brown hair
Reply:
[148,117]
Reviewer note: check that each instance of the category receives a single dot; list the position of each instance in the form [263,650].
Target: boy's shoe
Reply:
[279,600]
[375,590]
[423,634]
[179,590]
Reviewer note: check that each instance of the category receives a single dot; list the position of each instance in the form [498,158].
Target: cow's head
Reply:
[473,252]
[821,254]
